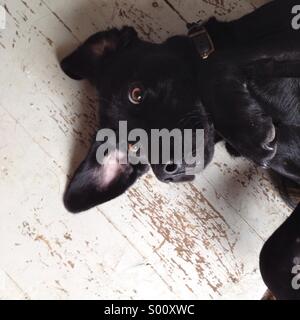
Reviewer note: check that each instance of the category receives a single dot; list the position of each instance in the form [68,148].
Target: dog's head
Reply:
[151,86]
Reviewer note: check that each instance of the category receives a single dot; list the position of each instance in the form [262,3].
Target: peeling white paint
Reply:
[191,241]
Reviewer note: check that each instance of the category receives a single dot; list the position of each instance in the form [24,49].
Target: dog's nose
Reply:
[167,172]
[171,168]
[171,172]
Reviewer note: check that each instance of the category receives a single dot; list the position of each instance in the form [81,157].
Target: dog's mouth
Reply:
[172,173]
[180,179]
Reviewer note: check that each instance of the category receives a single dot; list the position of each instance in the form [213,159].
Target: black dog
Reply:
[169,86]
[150,86]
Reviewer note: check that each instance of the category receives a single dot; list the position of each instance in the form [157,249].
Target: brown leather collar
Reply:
[201,39]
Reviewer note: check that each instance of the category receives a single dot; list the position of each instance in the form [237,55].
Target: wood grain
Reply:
[192,241]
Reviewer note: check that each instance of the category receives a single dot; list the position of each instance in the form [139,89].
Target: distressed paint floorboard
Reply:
[193,241]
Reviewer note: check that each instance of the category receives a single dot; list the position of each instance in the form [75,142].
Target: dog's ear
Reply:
[99,180]
[86,59]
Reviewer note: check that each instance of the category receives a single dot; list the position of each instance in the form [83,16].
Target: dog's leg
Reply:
[240,120]
[271,68]
[280,260]
[273,18]
[287,159]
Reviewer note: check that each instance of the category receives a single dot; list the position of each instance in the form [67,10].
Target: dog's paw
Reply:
[256,142]
[267,145]
[269,142]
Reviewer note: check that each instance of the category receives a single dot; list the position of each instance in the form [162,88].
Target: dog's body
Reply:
[247,91]
[243,90]
[256,113]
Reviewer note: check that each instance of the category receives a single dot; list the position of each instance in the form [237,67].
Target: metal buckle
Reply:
[196,31]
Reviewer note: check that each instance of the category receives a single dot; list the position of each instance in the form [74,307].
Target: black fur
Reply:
[114,61]
[242,91]
[246,93]
[280,260]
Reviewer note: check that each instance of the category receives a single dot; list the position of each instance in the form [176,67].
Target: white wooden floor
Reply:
[199,240]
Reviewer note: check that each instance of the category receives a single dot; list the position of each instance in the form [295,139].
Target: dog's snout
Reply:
[171,168]
[171,172]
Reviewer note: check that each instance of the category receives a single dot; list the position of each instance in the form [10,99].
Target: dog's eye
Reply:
[136,95]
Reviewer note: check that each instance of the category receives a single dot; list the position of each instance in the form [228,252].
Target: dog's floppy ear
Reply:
[95,183]
[86,59]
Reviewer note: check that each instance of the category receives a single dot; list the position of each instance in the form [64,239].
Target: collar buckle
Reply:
[201,39]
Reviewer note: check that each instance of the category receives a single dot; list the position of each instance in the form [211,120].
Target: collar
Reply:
[201,39]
